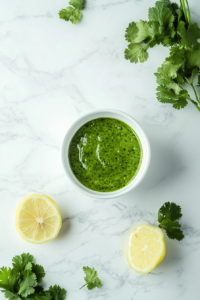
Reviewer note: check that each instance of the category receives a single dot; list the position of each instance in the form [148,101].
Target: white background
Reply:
[51,72]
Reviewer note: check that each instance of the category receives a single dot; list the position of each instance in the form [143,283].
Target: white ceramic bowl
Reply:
[109,113]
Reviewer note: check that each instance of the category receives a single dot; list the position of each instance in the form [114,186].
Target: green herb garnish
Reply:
[92,280]
[168,215]
[72,13]
[169,25]
[21,281]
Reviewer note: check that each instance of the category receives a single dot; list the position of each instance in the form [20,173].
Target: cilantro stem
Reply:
[83,286]
[186,13]
[195,92]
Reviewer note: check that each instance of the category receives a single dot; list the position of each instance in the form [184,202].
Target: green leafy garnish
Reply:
[92,280]
[57,293]
[169,25]
[21,282]
[168,215]
[72,13]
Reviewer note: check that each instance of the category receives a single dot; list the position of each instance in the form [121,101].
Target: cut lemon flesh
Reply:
[146,248]
[38,219]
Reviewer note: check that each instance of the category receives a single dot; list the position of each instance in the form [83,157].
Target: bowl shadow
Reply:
[165,165]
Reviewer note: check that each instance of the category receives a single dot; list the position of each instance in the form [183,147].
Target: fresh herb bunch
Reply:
[171,26]
[168,215]
[92,280]
[21,282]
[72,13]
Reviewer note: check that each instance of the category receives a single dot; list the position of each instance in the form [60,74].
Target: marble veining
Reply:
[51,73]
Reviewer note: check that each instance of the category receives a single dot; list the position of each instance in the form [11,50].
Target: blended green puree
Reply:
[105,154]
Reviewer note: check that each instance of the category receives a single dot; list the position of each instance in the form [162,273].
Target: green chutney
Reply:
[105,154]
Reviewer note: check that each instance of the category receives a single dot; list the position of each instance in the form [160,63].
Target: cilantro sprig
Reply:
[92,280]
[21,281]
[171,26]
[72,13]
[168,215]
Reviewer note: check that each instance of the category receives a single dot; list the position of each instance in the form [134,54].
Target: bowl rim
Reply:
[75,181]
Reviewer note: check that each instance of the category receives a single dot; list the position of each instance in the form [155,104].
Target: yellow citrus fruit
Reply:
[38,219]
[146,248]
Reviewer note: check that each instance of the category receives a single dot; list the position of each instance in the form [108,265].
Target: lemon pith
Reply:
[38,219]
[146,248]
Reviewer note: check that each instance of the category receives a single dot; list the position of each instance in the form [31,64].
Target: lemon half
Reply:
[38,219]
[146,248]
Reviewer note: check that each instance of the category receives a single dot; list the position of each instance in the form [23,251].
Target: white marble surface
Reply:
[51,73]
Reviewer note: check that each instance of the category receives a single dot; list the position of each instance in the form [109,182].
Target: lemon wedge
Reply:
[146,248]
[38,219]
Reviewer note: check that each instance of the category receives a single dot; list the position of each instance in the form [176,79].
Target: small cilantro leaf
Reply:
[57,293]
[168,215]
[172,228]
[27,284]
[70,14]
[136,52]
[79,4]
[170,211]
[39,272]
[92,280]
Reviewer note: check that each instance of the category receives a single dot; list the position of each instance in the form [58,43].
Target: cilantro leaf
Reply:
[8,294]
[23,262]
[57,293]
[170,211]
[92,280]
[190,35]
[8,279]
[168,215]
[27,284]
[173,230]
[136,52]
[161,14]
[70,14]
[79,4]
[131,32]
[39,272]
[193,59]
[165,95]
[143,31]
[4,277]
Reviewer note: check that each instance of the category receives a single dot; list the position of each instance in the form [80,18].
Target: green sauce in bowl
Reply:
[105,154]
